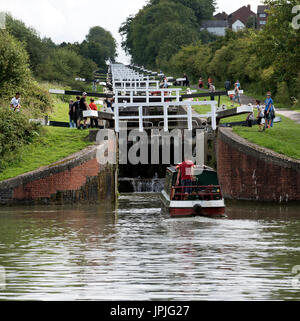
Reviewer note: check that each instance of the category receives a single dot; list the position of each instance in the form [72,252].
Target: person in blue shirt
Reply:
[268,110]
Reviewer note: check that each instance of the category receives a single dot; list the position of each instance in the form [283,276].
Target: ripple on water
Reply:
[137,252]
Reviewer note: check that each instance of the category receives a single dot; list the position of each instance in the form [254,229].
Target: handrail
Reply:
[208,193]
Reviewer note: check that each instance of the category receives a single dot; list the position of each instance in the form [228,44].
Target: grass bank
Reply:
[284,138]
[52,145]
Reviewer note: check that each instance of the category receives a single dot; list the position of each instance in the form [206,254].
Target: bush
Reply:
[282,95]
[16,76]
[15,132]
[14,66]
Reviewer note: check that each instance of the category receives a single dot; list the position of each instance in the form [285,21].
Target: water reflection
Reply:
[137,252]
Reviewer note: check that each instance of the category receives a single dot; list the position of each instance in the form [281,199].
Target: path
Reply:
[294,115]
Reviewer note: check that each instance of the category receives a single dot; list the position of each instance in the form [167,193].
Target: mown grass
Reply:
[224,101]
[52,145]
[283,138]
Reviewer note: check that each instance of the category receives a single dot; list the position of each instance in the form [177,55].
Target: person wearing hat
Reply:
[83,106]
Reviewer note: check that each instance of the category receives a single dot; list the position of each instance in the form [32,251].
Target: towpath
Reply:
[294,115]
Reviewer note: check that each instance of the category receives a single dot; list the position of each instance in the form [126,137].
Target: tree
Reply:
[14,64]
[15,75]
[99,46]
[158,31]
[203,9]
[36,47]
[252,22]
[277,45]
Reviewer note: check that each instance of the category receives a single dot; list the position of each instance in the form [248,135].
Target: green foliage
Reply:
[202,9]
[261,60]
[99,46]
[15,132]
[162,28]
[64,65]
[49,61]
[192,60]
[16,76]
[36,47]
[283,96]
[13,63]
[105,39]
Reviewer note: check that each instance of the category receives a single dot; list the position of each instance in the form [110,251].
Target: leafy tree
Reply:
[193,60]
[203,9]
[158,31]
[13,62]
[99,46]
[252,22]
[15,75]
[277,45]
[36,47]
[64,65]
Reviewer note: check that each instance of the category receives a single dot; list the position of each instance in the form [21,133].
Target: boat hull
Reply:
[214,209]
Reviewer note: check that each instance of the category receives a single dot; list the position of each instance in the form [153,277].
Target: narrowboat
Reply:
[203,198]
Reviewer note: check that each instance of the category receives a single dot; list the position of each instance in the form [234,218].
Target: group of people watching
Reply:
[265,114]
[77,108]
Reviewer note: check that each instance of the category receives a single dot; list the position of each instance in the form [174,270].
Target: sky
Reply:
[70,20]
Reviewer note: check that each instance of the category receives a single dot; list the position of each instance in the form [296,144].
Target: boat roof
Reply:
[172,169]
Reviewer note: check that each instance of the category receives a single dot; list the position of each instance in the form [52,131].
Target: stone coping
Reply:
[67,163]
[259,152]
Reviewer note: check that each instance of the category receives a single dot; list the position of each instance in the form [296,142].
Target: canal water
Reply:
[138,253]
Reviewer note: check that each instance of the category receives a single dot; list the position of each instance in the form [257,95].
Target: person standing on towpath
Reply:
[236,95]
[260,115]
[83,106]
[269,110]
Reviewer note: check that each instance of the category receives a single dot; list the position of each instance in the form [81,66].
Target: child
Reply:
[71,114]
[260,115]
[249,119]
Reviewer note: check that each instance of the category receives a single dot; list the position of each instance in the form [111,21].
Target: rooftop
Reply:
[261,9]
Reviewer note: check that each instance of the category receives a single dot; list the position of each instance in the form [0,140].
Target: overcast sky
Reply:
[70,20]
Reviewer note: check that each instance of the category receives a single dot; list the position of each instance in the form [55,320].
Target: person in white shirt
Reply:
[15,103]
[212,89]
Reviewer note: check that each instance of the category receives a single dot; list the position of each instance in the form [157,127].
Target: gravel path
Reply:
[294,115]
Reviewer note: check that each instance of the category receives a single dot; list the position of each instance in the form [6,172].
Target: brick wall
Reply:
[250,172]
[78,178]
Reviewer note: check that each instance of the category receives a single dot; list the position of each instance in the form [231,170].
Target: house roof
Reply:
[243,14]
[214,24]
[221,16]
[261,9]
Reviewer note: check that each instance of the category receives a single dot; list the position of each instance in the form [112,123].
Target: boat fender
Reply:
[198,209]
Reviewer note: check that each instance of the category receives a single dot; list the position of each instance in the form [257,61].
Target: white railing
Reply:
[127,84]
[165,106]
